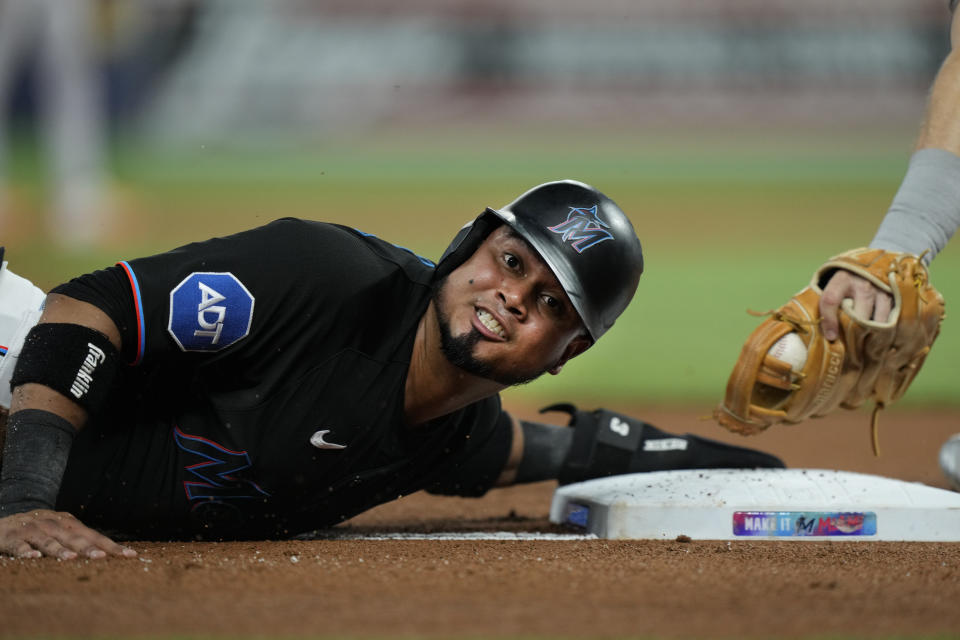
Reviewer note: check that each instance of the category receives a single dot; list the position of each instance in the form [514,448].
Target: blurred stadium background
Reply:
[748,140]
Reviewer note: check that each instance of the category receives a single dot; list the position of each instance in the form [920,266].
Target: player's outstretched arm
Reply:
[926,209]
[940,128]
[602,443]
[594,444]
[40,430]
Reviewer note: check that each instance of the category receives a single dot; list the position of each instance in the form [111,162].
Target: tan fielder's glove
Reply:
[788,372]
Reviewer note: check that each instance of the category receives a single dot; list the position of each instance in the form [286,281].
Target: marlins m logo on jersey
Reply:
[583,228]
[216,473]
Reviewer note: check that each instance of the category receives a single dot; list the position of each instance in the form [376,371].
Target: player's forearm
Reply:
[34,459]
[509,474]
[604,443]
[941,126]
[537,453]
[925,212]
[64,371]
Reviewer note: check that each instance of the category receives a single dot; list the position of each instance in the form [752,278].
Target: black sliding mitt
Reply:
[606,443]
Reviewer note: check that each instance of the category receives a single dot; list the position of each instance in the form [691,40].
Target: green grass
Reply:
[729,222]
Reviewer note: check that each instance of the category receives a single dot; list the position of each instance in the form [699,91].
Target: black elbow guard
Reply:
[606,443]
[79,362]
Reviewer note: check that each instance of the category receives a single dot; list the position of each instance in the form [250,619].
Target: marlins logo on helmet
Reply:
[583,228]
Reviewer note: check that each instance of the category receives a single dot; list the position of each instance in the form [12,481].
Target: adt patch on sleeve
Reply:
[209,311]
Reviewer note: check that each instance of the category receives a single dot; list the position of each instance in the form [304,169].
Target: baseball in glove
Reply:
[788,372]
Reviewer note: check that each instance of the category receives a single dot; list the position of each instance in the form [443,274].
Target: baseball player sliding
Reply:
[286,378]
[869,317]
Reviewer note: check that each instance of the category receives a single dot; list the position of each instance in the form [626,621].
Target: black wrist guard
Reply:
[34,458]
[606,443]
[77,361]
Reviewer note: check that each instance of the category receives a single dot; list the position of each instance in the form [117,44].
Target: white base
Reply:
[772,504]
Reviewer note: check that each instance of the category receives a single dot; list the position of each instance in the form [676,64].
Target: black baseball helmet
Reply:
[582,235]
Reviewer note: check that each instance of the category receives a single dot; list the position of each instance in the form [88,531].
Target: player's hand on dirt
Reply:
[868,301]
[57,534]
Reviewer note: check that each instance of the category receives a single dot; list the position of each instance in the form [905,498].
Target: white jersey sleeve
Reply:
[20,306]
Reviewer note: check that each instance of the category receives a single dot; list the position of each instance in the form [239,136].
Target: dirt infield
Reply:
[582,588]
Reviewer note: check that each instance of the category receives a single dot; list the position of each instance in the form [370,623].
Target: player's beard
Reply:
[459,349]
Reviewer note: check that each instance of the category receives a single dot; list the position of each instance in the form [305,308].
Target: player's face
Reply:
[503,314]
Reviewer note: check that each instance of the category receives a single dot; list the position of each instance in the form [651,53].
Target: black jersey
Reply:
[266,394]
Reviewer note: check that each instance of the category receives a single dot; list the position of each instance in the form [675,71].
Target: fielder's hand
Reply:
[57,534]
[869,301]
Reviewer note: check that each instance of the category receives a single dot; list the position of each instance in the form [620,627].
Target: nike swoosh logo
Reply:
[317,440]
